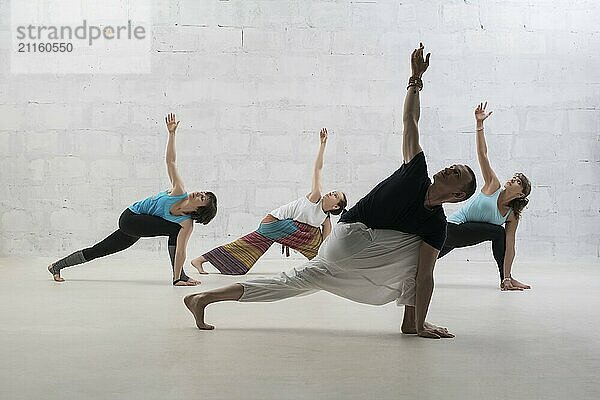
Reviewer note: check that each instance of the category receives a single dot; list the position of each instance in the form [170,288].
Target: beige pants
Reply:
[371,266]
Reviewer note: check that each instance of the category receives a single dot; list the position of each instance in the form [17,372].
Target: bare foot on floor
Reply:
[518,284]
[196,306]
[197,263]
[507,285]
[194,281]
[55,276]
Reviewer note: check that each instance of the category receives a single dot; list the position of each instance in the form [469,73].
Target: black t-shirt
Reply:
[397,203]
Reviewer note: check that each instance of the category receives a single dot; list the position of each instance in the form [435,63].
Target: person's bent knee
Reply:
[495,231]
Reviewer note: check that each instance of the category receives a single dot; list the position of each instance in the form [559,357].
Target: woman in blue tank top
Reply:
[482,217]
[170,213]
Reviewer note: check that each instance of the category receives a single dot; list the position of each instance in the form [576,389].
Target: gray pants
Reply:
[371,266]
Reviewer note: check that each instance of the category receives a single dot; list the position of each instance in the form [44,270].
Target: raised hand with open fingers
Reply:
[323,136]
[172,124]
[480,112]
[419,64]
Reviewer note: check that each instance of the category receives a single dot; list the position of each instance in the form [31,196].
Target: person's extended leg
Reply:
[368,266]
[237,257]
[472,233]
[297,282]
[115,242]
[345,245]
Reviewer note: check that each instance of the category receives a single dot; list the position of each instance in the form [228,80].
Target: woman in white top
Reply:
[301,225]
[482,217]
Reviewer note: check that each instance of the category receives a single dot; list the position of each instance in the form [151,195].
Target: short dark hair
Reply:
[471,186]
[204,214]
[342,203]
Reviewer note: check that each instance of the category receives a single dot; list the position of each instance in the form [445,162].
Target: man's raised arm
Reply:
[412,105]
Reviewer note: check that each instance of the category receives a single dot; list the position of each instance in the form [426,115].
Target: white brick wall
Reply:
[253,81]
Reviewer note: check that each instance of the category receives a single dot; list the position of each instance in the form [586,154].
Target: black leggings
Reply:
[132,227]
[472,233]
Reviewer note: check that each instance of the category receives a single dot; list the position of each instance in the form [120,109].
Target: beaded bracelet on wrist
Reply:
[415,81]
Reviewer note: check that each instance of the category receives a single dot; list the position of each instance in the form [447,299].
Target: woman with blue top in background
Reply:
[482,217]
[170,213]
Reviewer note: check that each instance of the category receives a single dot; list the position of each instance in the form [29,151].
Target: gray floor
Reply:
[117,330]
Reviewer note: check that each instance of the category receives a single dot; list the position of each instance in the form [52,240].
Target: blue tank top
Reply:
[481,208]
[160,205]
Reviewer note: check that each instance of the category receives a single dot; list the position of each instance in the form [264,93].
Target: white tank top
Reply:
[302,210]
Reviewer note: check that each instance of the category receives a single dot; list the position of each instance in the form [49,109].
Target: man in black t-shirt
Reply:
[398,203]
[385,247]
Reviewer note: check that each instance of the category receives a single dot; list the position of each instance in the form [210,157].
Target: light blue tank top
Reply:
[160,205]
[480,208]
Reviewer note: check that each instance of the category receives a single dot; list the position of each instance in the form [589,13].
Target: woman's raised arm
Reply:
[171,157]
[315,194]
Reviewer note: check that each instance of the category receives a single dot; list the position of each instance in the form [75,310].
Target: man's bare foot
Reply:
[197,263]
[518,284]
[196,306]
[55,275]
